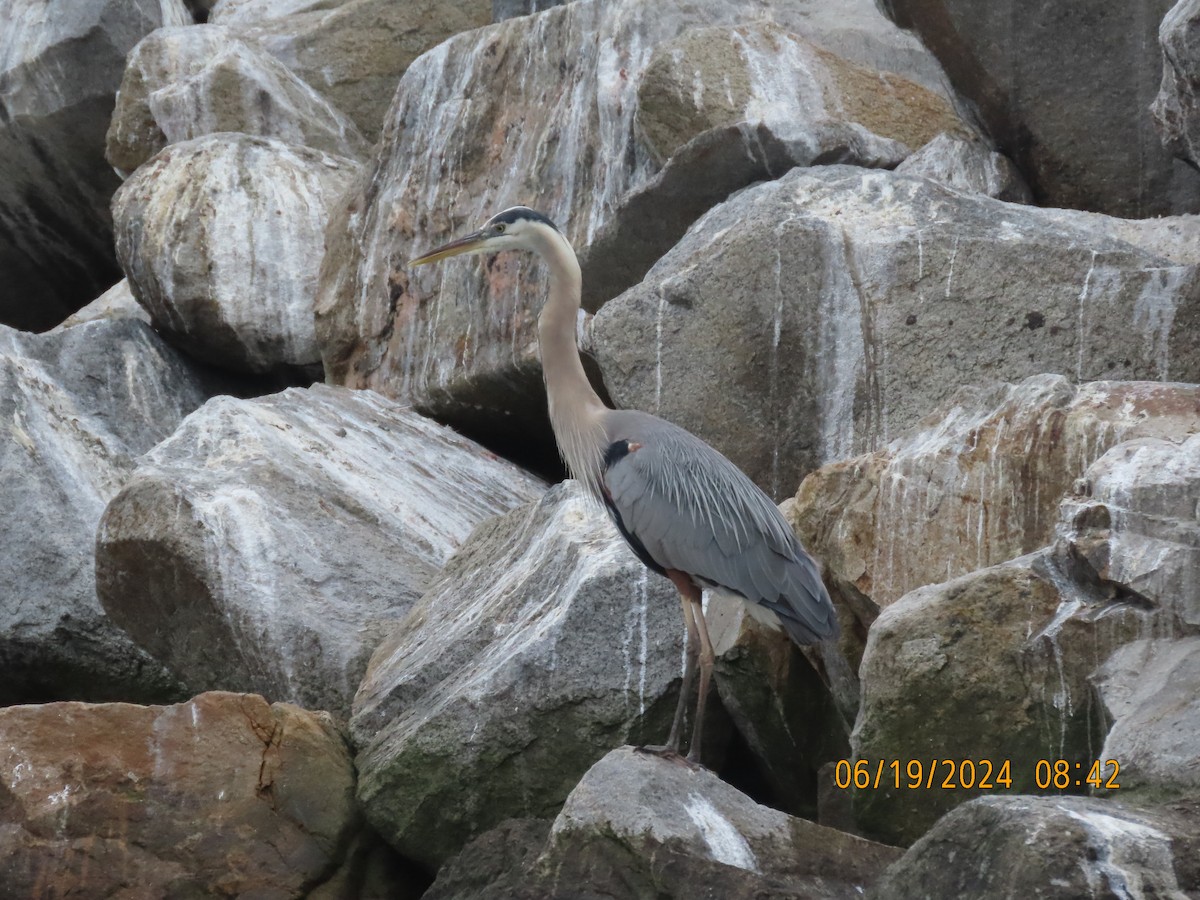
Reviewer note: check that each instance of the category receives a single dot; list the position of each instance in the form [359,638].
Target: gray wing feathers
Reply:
[695,511]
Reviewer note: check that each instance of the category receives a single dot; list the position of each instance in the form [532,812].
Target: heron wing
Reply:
[687,507]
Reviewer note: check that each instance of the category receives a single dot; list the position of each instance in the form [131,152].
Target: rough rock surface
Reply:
[712,77]
[496,865]
[510,9]
[1051,848]
[723,107]
[223,795]
[778,704]
[980,479]
[1042,75]
[1133,526]
[542,645]
[59,69]
[221,238]
[968,165]
[77,407]
[268,545]
[116,303]
[1151,692]
[637,825]
[992,666]
[352,51]
[811,318]
[1176,109]
[182,83]
[557,96]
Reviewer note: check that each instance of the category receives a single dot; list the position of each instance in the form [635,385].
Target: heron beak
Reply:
[471,243]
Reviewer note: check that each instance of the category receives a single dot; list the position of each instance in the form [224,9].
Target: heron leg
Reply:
[707,659]
[691,647]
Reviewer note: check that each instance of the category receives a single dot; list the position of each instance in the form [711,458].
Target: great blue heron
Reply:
[687,511]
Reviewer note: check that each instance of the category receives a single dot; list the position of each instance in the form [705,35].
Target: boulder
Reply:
[1176,109]
[980,685]
[968,165]
[268,545]
[510,9]
[116,303]
[352,51]
[59,71]
[1151,692]
[812,318]
[1064,93]
[712,77]
[779,703]
[1131,527]
[542,645]
[221,239]
[553,122]
[495,865]
[223,795]
[1051,848]
[182,83]
[980,479]
[78,407]
[723,107]
[641,826]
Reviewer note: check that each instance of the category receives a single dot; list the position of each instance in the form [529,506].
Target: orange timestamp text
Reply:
[981,774]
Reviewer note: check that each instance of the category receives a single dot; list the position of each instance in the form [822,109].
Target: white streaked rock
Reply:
[1151,691]
[77,407]
[221,238]
[182,83]
[816,317]
[543,644]
[552,122]
[269,544]
[60,65]
[691,834]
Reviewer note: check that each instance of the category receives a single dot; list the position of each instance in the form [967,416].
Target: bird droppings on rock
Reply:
[793,242]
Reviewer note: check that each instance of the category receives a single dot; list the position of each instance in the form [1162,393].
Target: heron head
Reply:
[518,228]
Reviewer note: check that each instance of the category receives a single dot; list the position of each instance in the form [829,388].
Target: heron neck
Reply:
[575,408]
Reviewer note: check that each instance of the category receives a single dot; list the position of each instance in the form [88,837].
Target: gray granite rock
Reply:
[814,317]
[991,668]
[637,825]
[558,96]
[968,165]
[1176,109]
[980,479]
[352,51]
[79,407]
[1151,692]
[59,70]
[116,303]
[1064,92]
[543,644]
[1051,848]
[270,544]
[182,83]
[221,238]
[1131,526]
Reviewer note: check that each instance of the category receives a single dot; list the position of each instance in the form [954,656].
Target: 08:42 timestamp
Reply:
[983,774]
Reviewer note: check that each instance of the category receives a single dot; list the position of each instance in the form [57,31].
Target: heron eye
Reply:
[500,226]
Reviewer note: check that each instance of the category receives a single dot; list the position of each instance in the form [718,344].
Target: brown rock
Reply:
[352,51]
[721,75]
[980,480]
[223,795]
